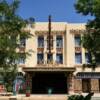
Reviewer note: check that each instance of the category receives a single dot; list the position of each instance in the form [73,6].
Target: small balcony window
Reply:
[22,42]
[78,58]
[59,41]
[87,58]
[49,58]
[77,41]
[59,58]
[21,60]
[40,58]
[40,42]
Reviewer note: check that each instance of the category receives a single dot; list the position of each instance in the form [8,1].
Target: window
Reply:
[21,60]
[59,58]
[59,41]
[87,58]
[22,42]
[49,58]
[78,58]
[77,41]
[40,58]
[40,42]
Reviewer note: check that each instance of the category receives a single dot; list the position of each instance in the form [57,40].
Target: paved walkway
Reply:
[42,97]
[35,97]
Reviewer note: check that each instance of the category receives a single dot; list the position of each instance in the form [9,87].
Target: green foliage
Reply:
[88,7]
[76,97]
[11,29]
[9,88]
[81,97]
[22,91]
[91,39]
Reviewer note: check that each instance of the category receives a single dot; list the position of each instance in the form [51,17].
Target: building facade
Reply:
[62,71]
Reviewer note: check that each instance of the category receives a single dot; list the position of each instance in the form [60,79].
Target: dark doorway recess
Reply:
[42,82]
[86,85]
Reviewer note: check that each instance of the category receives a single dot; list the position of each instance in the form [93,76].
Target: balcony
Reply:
[40,50]
[40,62]
[50,64]
[22,49]
[21,65]
[21,62]
[59,50]
[22,45]
[78,49]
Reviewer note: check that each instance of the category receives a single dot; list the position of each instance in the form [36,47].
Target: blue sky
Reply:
[61,10]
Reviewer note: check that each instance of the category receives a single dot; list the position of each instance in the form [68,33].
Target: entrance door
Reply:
[86,85]
[43,83]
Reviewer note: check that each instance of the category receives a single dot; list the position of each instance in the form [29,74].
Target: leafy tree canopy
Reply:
[11,30]
[91,40]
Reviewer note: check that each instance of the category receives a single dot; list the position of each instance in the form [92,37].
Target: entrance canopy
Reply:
[61,69]
[93,75]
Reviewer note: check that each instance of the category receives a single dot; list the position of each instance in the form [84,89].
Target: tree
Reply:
[11,30]
[91,39]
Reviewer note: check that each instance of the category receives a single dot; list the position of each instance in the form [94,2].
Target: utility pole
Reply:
[49,34]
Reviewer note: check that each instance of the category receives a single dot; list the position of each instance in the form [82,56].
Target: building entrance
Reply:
[49,82]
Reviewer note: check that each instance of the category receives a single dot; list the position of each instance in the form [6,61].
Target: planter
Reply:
[27,93]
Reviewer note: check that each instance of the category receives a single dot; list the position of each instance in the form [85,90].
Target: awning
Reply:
[92,75]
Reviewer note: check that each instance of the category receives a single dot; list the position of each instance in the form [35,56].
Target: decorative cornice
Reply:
[77,31]
[46,32]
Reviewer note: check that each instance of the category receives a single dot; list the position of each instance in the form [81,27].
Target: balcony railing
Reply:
[41,45]
[78,49]
[59,50]
[49,63]
[40,50]
[40,62]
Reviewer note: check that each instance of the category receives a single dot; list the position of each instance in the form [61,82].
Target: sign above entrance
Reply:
[63,69]
[93,75]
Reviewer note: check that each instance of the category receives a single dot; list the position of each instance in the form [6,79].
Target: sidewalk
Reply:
[35,97]
[43,97]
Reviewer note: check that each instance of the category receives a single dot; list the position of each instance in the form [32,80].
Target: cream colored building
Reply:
[61,72]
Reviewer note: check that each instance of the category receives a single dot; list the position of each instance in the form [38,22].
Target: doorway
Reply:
[49,82]
[86,85]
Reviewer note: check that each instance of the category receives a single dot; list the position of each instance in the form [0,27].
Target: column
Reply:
[54,48]
[45,49]
[70,82]
[29,81]
[78,85]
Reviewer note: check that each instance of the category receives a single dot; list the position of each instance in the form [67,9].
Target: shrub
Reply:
[76,97]
[81,97]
